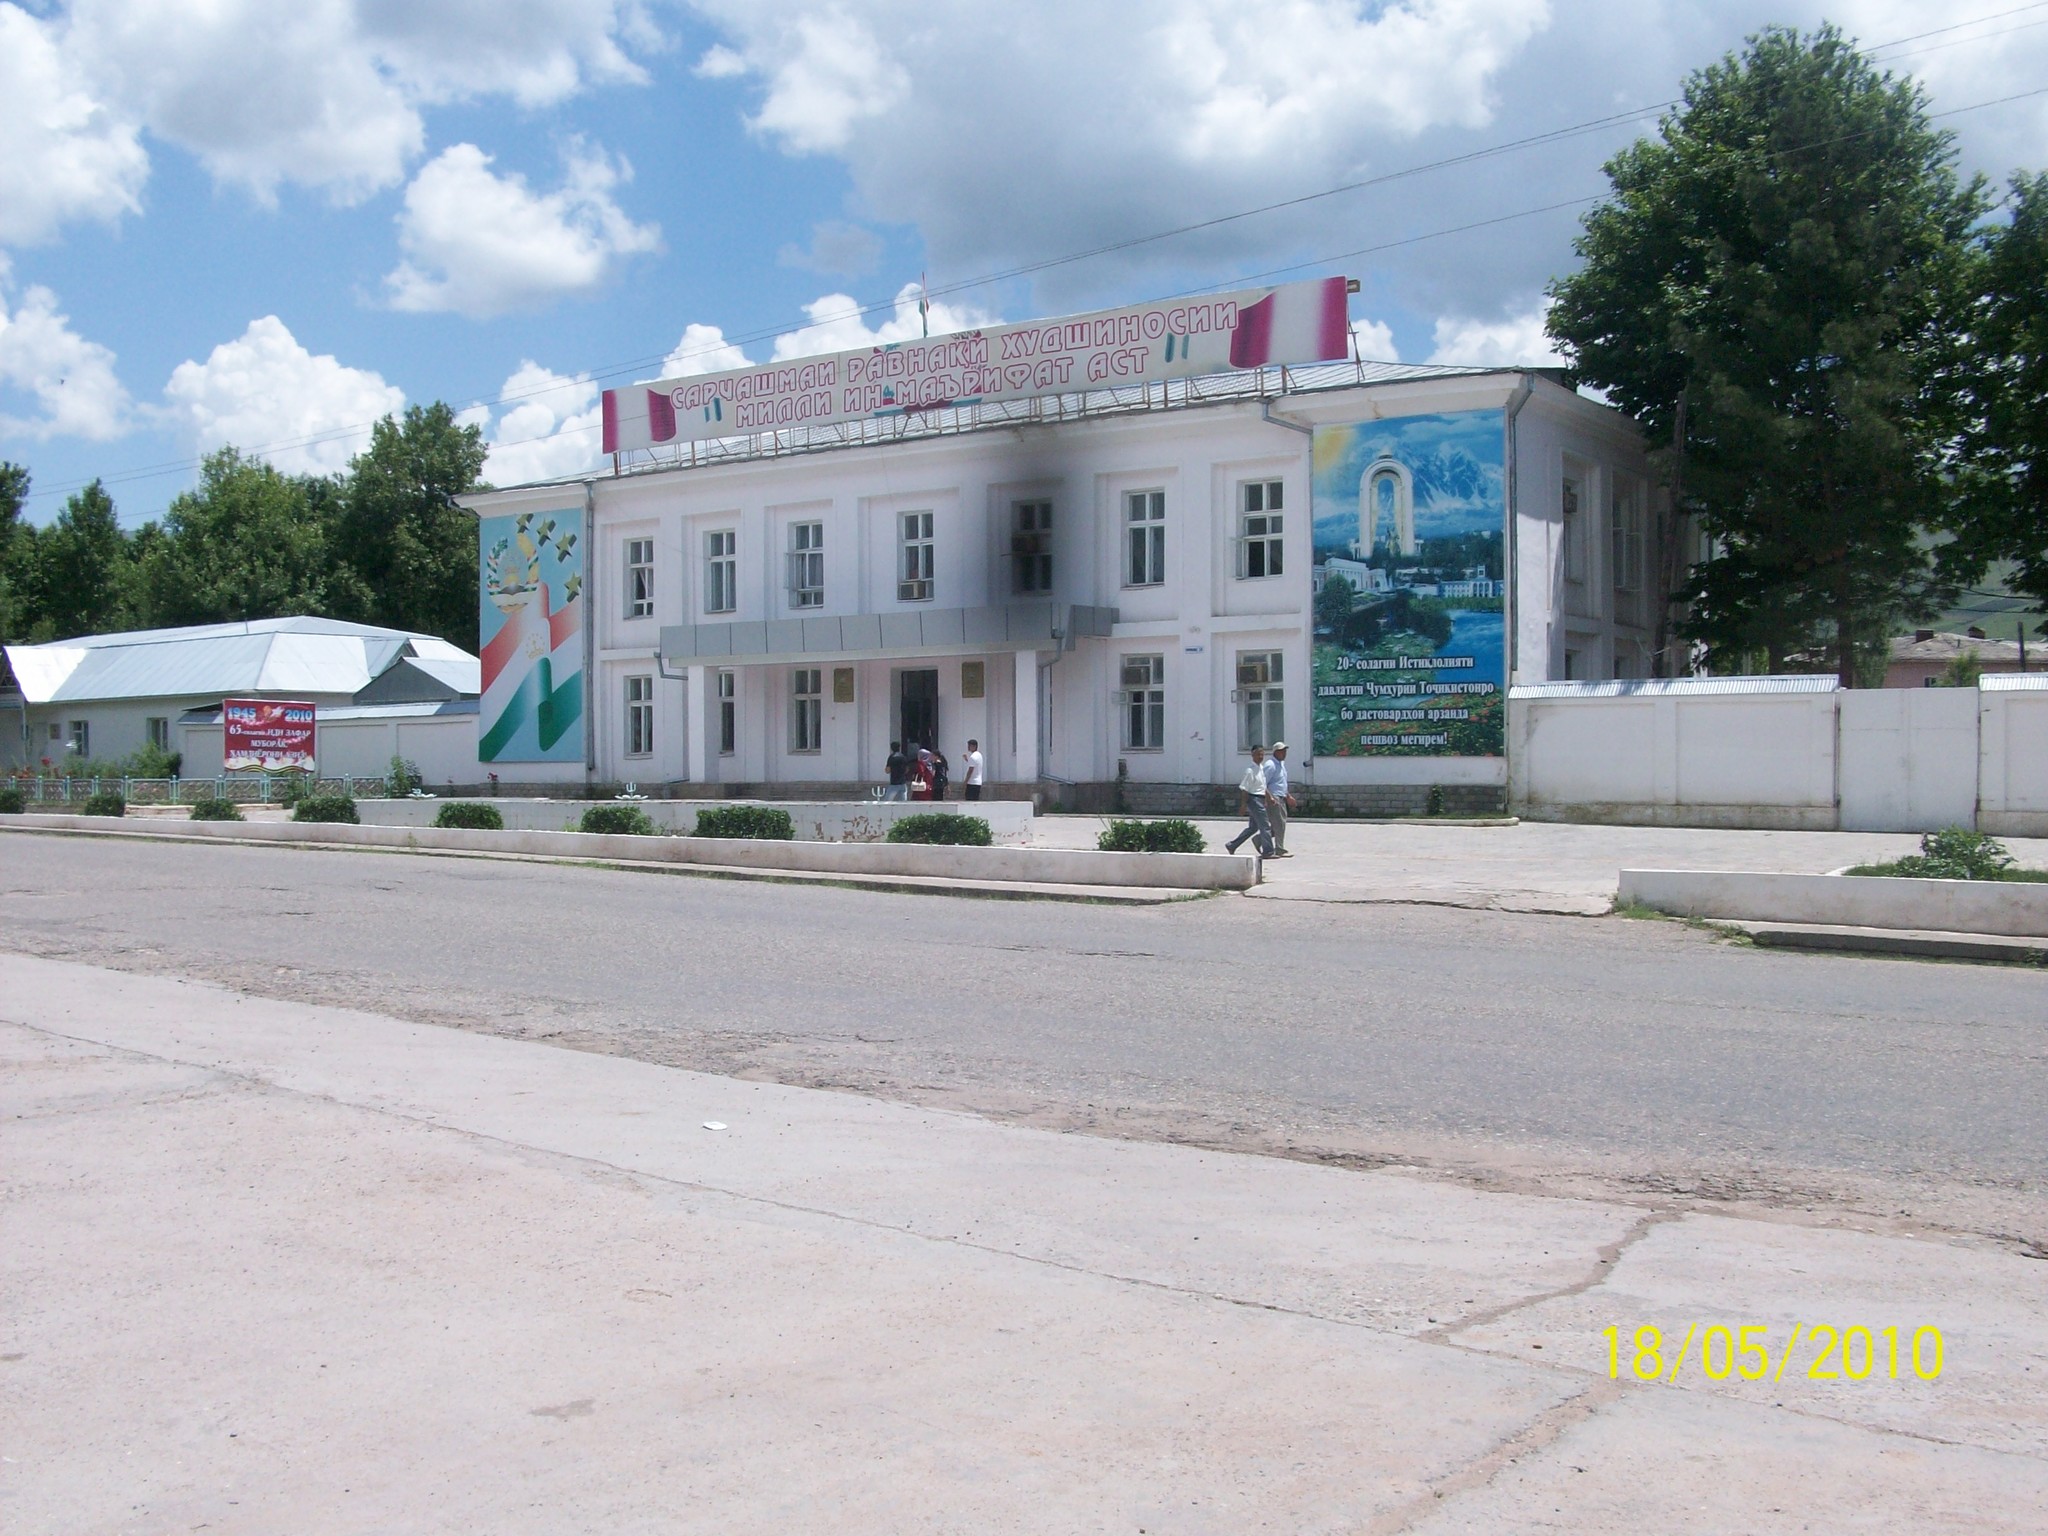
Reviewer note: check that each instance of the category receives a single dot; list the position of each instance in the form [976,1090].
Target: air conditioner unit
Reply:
[1254,673]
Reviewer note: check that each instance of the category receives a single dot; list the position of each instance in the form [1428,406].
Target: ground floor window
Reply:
[1144,703]
[728,715]
[1261,701]
[159,732]
[639,715]
[81,739]
[807,710]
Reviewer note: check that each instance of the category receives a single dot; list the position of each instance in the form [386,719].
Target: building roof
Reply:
[1942,648]
[284,657]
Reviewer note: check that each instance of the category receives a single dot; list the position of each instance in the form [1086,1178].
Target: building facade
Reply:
[1116,595]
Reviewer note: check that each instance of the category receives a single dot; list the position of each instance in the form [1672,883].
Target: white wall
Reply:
[443,747]
[2012,773]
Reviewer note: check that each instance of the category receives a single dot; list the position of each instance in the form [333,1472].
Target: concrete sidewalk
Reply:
[273,1267]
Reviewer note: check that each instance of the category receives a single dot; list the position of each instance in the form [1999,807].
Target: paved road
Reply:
[1603,1056]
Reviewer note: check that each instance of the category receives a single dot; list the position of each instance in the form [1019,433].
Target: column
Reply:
[699,724]
[1024,704]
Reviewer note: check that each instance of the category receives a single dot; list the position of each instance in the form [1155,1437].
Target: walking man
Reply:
[1278,801]
[899,773]
[972,763]
[1252,802]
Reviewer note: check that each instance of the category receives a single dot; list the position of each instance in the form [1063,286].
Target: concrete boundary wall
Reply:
[1855,901]
[1034,866]
[833,821]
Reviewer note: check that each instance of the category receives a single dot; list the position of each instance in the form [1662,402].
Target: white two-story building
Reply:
[1109,591]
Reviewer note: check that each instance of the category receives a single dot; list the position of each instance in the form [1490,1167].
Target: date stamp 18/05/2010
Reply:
[1746,1352]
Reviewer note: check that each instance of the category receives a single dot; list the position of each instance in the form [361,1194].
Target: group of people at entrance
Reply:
[1264,801]
[922,772]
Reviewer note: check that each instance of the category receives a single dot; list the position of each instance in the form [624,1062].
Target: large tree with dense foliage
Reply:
[17,555]
[82,574]
[1788,265]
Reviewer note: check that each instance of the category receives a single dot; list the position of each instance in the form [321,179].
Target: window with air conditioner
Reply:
[1259,520]
[1141,703]
[1572,509]
[1031,547]
[722,570]
[1144,538]
[914,564]
[806,565]
[1261,700]
[639,578]
[639,715]
[806,709]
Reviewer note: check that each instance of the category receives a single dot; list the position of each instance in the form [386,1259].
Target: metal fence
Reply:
[243,789]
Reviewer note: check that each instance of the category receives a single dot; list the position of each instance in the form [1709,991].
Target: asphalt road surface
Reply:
[1597,1056]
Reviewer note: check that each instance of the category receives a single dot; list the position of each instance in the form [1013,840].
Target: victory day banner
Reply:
[531,608]
[266,736]
[1306,322]
[1410,655]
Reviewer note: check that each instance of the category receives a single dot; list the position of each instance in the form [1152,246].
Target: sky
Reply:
[234,222]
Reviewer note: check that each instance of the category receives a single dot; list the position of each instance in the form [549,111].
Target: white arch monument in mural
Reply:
[1387,470]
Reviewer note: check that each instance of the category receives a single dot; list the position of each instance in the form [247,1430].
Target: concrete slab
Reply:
[1923,944]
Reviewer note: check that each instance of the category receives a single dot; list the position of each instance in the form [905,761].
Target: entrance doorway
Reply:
[917,707]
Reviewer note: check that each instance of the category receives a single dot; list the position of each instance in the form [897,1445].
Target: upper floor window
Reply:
[806,710]
[1262,703]
[1144,703]
[639,715]
[1259,541]
[914,570]
[1144,538]
[1031,546]
[1627,533]
[639,578]
[721,570]
[806,565]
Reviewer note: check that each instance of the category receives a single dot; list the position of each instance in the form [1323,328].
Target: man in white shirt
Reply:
[1278,801]
[1252,797]
[973,764]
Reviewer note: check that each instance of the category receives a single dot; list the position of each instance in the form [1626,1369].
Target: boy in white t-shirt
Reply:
[973,764]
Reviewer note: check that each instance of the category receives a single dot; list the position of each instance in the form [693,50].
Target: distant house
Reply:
[1921,660]
[104,697]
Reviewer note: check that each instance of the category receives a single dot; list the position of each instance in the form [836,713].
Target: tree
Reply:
[81,568]
[1787,265]
[19,608]
[246,543]
[412,547]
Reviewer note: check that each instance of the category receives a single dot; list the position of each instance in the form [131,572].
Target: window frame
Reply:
[638,695]
[727,688]
[1264,700]
[78,739]
[158,729]
[721,570]
[1261,550]
[1031,567]
[916,556]
[807,564]
[1626,533]
[1144,527]
[806,711]
[1571,504]
[1141,702]
[639,573]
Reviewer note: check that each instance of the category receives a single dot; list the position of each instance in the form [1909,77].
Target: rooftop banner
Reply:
[1174,339]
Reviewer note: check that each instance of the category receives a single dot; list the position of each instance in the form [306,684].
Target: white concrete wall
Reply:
[443,747]
[1908,758]
[2012,773]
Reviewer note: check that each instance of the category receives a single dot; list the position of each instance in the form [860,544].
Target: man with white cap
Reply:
[1278,801]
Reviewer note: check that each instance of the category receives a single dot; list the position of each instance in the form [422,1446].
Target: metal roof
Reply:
[1665,687]
[2012,682]
[287,657]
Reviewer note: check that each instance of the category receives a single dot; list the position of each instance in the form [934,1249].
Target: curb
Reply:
[1918,944]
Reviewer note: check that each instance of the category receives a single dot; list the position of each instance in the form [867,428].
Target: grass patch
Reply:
[1955,853]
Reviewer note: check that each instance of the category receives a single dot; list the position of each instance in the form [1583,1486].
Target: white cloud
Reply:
[1516,341]
[703,349]
[63,154]
[72,380]
[828,73]
[1373,341]
[836,247]
[837,324]
[266,394]
[549,426]
[482,244]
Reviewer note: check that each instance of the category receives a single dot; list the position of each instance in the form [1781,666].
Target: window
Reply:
[806,709]
[1574,531]
[1258,530]
[639,578]
[1628,541]
[1261,702]
[914,581]
[1144,703]
[159,727]
[81,739]
[639,715]
[1031,546]
[806,565]
[728,715]
[1145,538]
[722,571]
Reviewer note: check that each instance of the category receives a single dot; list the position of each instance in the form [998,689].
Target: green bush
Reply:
[941,827]
[1955,853]
[12,801]
[402,778]
[340,808]
[628,819]
[107,802]
[290,788]
[1170,836]
[470,814]
[213,808]
[770,822]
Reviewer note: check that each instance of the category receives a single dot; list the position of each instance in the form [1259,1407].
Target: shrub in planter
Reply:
[470,814]
[213,808]
[107,802]
[1170,836]
[12,801]
[627,819]
[941,827]
[340,808]
[764,821]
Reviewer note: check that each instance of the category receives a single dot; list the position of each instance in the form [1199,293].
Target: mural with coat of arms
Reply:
[530,568]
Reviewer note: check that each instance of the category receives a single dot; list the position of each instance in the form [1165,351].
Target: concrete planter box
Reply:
[1853,901]
[817,821]
[1035,866]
